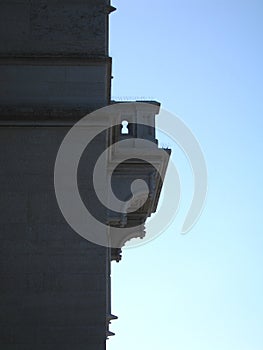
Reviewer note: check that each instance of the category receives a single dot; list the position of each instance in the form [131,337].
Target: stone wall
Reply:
[54,289]
[54,27]
[54,69]
[54,83]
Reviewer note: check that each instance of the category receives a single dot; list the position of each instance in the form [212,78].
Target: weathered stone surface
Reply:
[53,27]
[53,282]
[54,85]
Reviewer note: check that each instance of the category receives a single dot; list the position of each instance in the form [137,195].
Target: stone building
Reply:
[55,69]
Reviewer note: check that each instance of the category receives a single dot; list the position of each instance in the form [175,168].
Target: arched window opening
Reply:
[125,129]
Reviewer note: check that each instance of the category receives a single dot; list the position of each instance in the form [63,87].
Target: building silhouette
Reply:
[54,69]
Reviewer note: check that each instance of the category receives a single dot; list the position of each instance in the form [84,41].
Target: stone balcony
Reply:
[135,155]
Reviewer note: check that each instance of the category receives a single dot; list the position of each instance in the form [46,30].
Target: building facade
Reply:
[54,69]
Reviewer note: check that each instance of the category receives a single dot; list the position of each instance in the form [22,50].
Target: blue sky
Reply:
[203,61]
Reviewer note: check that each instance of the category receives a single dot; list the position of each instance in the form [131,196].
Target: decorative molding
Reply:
[56,60]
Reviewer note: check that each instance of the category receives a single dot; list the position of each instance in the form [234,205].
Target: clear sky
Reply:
[202,59]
